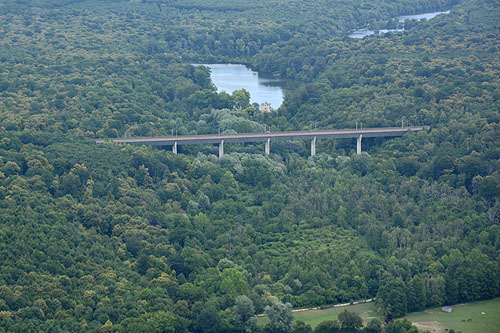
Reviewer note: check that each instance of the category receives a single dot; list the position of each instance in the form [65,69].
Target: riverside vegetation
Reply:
[120,238]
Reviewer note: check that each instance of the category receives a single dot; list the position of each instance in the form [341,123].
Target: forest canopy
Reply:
[110,237]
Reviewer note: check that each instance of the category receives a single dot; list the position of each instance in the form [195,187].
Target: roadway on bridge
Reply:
[265,136]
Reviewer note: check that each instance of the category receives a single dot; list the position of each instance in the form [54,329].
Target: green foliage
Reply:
[280,316]
[328,326]
[207,319]
[244,314]
[374,326]
[350,321]
[301,327]
[107,237]
[490,188]
[393,298]
[134,245]
[154,322]
[401,326]
[416,294]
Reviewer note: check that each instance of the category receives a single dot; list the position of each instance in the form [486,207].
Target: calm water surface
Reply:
[419,17]
[361,33]
[231,77]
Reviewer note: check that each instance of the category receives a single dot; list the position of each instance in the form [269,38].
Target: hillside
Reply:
[109,237]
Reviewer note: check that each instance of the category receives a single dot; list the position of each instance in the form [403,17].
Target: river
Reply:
[231,77]
[361,33]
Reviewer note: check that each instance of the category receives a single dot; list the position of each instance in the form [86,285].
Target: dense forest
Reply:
[137,239]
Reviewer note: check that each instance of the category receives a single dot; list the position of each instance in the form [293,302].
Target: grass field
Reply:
[435,319]
[314,317]
[367,311]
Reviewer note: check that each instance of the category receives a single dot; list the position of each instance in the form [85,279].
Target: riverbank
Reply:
[363,32]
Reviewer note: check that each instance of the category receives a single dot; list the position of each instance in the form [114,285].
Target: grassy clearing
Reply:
[435,319]
[367,311]
[314,317]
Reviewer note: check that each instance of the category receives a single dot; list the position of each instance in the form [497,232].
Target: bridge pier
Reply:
[266,137]
[358,145]
[221,148]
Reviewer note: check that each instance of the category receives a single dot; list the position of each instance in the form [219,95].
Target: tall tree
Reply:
[350,321]
[392,297]
[280,316]
[416,294]
[244,314]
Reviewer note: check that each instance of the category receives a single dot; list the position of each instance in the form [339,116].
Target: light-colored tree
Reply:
[244,314]
[281,316]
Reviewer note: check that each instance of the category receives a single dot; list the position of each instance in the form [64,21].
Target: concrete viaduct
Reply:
[267,137]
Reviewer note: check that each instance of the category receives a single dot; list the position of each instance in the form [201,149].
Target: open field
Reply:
[367,311]
[435,319]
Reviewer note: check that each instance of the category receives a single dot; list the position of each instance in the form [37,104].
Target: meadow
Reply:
[367,311]
[435,319]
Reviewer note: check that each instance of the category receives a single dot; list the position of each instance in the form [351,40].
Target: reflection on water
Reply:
[361,33]
[231,77]
[419,17]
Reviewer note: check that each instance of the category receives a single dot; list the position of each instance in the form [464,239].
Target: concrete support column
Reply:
[221,148]
[313,146]
[358,146]
[174,148]
[268,146]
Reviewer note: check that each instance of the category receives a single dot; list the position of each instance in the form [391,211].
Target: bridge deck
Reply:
[263,137]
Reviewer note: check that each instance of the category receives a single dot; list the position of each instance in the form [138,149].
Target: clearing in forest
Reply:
[367,311]
[467,318]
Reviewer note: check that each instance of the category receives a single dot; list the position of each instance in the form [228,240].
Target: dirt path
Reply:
[327,307]
[335,306]
[432,326]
